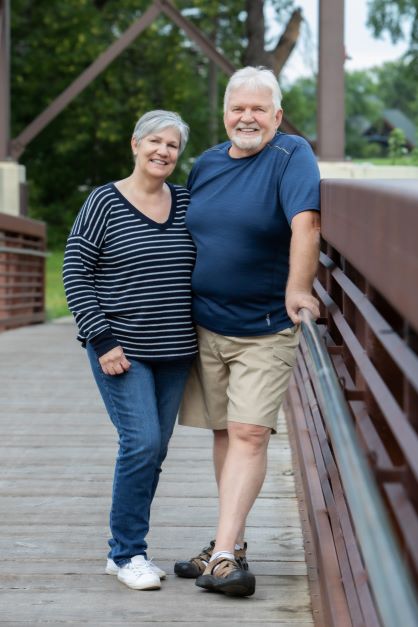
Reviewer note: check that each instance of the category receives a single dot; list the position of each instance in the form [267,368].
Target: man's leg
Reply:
[241,479]
[220,450]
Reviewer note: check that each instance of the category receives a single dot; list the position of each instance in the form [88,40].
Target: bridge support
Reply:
[331,115]
[4,78]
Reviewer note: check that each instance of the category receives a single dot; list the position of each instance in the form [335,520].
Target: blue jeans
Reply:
[142,404]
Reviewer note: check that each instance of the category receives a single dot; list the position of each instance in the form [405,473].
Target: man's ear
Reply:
[279,117]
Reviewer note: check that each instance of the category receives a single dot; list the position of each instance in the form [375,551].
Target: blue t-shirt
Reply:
[239,218]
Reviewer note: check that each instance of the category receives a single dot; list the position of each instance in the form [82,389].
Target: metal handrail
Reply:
[389,578]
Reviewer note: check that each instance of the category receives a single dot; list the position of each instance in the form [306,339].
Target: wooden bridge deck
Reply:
[57,450]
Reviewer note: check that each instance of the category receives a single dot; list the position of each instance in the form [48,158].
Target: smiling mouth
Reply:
[159,161]
[247,130]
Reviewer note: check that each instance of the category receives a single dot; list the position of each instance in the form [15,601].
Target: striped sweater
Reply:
[128,278]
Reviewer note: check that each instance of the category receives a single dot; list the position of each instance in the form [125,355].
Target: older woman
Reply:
[127,271]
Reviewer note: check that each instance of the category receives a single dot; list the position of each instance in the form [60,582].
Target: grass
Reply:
[407,160]
[56,305]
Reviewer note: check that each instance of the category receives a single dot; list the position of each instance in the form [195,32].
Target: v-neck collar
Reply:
[138,213]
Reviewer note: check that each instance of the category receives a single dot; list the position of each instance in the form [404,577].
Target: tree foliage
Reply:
[397,143]
[367,94]
[396,17]
[88,143]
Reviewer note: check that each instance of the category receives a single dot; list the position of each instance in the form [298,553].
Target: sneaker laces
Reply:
[141,568]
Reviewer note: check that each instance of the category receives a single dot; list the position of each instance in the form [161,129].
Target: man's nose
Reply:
[247,114]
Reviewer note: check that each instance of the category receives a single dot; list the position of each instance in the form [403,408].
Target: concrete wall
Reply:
[348,170]
[11,176]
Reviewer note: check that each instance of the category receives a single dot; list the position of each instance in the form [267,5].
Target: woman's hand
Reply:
[114,361]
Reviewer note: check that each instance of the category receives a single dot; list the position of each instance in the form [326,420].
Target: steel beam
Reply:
[20,142]
[4,79]
[197,36]
[331,113]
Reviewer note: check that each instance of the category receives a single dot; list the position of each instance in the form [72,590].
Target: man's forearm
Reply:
[304,252]
[304,256]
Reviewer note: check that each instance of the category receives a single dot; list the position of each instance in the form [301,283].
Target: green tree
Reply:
[397,17]
[363,108]
[300,104]
[88,143]
[398,87]
[396,143]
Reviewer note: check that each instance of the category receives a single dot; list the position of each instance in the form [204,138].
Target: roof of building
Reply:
[396,119]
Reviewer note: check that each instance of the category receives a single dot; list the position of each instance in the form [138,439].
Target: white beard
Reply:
[246,143]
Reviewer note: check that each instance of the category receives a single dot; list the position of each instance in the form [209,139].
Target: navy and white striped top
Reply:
[128,278]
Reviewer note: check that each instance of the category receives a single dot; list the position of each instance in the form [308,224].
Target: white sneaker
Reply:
[138,574]
[156,569]
[113,569]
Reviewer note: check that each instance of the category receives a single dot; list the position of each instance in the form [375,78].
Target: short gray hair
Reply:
[157,120]
[255,77]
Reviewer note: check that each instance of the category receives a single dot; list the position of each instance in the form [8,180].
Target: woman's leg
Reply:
[130,399]
[170,380]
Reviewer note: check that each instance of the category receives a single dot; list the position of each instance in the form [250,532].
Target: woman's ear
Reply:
[134,146]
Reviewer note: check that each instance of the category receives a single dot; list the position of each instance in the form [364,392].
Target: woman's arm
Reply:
[81,256]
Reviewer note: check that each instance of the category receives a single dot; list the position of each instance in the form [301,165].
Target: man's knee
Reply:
[254,437]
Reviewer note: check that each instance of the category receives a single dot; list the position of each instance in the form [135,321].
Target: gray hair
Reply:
[157,120]
[254,77]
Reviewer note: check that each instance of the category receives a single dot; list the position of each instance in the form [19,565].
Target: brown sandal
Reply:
[225,575]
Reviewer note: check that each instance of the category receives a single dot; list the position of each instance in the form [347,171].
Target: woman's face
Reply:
[156,154]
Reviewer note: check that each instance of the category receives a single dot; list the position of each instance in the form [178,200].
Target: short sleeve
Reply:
[299,184]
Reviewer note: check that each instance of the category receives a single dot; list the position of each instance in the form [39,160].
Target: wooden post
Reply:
[331,114]
[4,79]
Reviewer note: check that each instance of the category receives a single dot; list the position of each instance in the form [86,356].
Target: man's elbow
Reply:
[307,222]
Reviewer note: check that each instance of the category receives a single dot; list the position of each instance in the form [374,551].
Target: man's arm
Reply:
[304,256]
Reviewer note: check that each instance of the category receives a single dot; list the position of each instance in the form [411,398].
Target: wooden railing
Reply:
[367,288]
[22,271]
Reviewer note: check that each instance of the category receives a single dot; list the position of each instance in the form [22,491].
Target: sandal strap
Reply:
[204,556]
[222,566]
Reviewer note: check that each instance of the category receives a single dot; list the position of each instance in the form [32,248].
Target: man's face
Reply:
[250,120]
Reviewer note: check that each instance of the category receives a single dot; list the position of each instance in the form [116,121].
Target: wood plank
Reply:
[58,446]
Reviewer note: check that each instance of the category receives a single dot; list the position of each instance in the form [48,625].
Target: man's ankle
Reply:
[218,554]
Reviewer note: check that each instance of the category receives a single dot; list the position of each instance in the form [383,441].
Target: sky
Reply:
[365,51]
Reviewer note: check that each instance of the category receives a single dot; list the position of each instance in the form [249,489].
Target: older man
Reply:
[255,222]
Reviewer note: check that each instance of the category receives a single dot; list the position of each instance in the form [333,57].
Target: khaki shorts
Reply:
[242,379]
